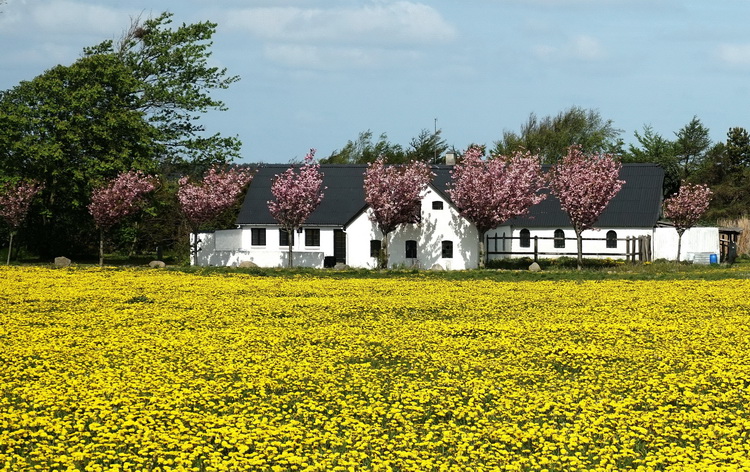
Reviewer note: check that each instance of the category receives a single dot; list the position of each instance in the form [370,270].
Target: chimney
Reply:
[450,159]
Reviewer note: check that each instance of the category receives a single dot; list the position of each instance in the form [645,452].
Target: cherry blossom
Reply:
[297,193]
[490,192]
[686,207]
[394,194]
[585,184]
[15,200]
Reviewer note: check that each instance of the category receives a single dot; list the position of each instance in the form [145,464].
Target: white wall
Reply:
[232,247]
[437,225]
[694,240]
[570,249]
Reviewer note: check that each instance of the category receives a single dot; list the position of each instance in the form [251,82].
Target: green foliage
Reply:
[130,105]
[692,143]
[174,80]
[726,169]
[427,147]
[654,148]
[551,136]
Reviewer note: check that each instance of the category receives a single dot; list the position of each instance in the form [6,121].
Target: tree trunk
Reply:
[384,256]
[290,261]
[579,243]
[10,248]
[481,261]
[679,244]
[101,248]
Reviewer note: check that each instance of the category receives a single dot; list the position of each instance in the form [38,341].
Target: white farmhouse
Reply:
[340,231]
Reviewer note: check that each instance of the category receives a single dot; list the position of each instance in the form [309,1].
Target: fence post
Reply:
[536,248]
[627,250]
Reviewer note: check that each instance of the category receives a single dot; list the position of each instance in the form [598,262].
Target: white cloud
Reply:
[336,58]
[76,17]
[379,22]
[578,48]
[735,54]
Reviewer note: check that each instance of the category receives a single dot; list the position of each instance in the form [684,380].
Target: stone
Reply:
[437,268]
[247,265]
[62,261]
[157,264]
[534,267]
[340,266]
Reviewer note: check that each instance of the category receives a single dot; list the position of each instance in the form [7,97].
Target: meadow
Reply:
[154,370]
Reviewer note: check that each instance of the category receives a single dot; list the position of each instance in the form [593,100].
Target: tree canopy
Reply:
[128,105]
[550,137]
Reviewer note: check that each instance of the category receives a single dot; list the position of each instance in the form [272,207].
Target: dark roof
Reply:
[637,204]
[343,197]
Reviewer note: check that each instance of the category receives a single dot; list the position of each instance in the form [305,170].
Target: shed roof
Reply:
[638,203]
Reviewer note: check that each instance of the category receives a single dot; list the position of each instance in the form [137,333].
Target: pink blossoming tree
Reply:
[296,195]
[584,184]
[686,207]
[15,200]
[121,197]
[394,194]
[488,193]
[201,202]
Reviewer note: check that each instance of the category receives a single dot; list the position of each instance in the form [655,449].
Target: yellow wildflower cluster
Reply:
[152,370]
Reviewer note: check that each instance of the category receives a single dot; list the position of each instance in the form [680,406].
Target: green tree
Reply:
[175,79]
[656,149]
[726,169]
[551,136]
[427,146]
[692,143]
[133,105]
[363,151]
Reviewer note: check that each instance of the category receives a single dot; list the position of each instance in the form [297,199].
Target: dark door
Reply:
[339,245]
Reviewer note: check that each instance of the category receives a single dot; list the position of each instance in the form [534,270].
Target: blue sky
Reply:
[317,73]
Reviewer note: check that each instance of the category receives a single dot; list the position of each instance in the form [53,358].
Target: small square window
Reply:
[258,236]
[312,237]
[437,205]
[284,238]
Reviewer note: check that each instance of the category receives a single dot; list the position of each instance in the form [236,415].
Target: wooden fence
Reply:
[637,248]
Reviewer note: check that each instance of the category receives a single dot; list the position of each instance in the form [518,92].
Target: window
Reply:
[447,252]
[525,237]
[437,205]
[559,238]
[611,239]
[284,238]
[258,236]
[312,237]
[375,248]
[411,249]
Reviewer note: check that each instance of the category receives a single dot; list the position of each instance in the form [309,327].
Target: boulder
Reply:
[437,268]
[340,266]
[157,264]
[62,261]
[247,265]
[534,267]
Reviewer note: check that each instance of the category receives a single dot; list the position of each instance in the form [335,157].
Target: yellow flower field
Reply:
[108,369]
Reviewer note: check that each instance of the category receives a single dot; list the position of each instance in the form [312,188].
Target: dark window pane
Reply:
[258,236]
[525,238]
[611,239]
[284,238]
[447,251]
[437,205]
[559,238]
[375,248]
[411,249]
[312,237]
